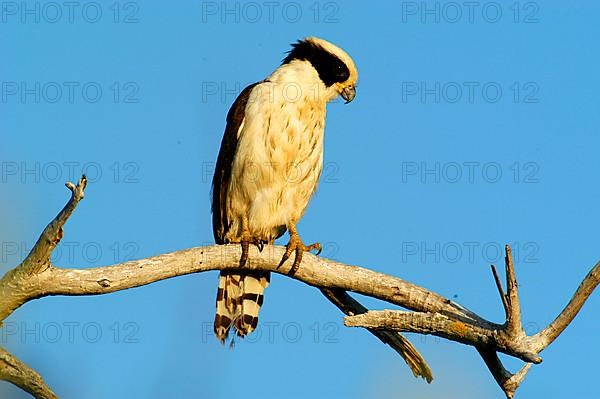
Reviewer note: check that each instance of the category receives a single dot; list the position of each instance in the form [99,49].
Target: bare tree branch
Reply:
[39,257]
[585,289]
[514,328]
[397,341]
[445,327]
[18,373]
[507,381]
[509,338]
[315,271]
[500,290]
[431,313]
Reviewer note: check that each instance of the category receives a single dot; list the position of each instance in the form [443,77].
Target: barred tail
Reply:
[239,299]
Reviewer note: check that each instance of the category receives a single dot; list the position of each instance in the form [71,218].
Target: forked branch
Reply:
[430,313]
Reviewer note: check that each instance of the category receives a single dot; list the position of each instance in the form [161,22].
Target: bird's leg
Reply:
[296,245]
[246,239]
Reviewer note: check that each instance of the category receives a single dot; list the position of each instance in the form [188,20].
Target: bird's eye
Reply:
[341,72]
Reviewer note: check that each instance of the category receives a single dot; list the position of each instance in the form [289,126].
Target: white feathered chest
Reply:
[279,158]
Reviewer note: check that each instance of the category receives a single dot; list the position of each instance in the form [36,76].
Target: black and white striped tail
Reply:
[239,299]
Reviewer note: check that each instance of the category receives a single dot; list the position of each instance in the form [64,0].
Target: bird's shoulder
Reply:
[238,109]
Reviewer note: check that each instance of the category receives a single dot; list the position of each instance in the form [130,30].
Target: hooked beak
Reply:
[348,93]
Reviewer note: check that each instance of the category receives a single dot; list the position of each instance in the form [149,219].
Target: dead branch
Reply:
[395,339]
[36,277]
[15,371]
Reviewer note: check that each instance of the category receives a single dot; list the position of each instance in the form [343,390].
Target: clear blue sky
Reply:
[470,129]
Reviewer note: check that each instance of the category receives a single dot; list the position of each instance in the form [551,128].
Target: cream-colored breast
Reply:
[279,158]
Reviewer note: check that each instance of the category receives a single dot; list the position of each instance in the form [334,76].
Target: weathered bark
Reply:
[15,371]
[430,313]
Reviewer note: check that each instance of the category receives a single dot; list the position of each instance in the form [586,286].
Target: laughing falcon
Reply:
[268,168]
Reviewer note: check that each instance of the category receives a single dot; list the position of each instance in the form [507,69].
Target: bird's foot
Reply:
[260,244]
[296,245]
[245,250]
[245,241]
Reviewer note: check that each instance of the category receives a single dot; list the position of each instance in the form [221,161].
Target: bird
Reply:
[269,164]
[267,170]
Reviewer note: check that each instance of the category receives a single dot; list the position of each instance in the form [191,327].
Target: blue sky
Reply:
[471,128]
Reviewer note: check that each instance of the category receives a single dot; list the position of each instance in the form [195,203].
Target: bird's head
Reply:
[335,69]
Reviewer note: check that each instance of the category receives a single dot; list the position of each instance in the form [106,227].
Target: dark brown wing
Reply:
[222,175]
